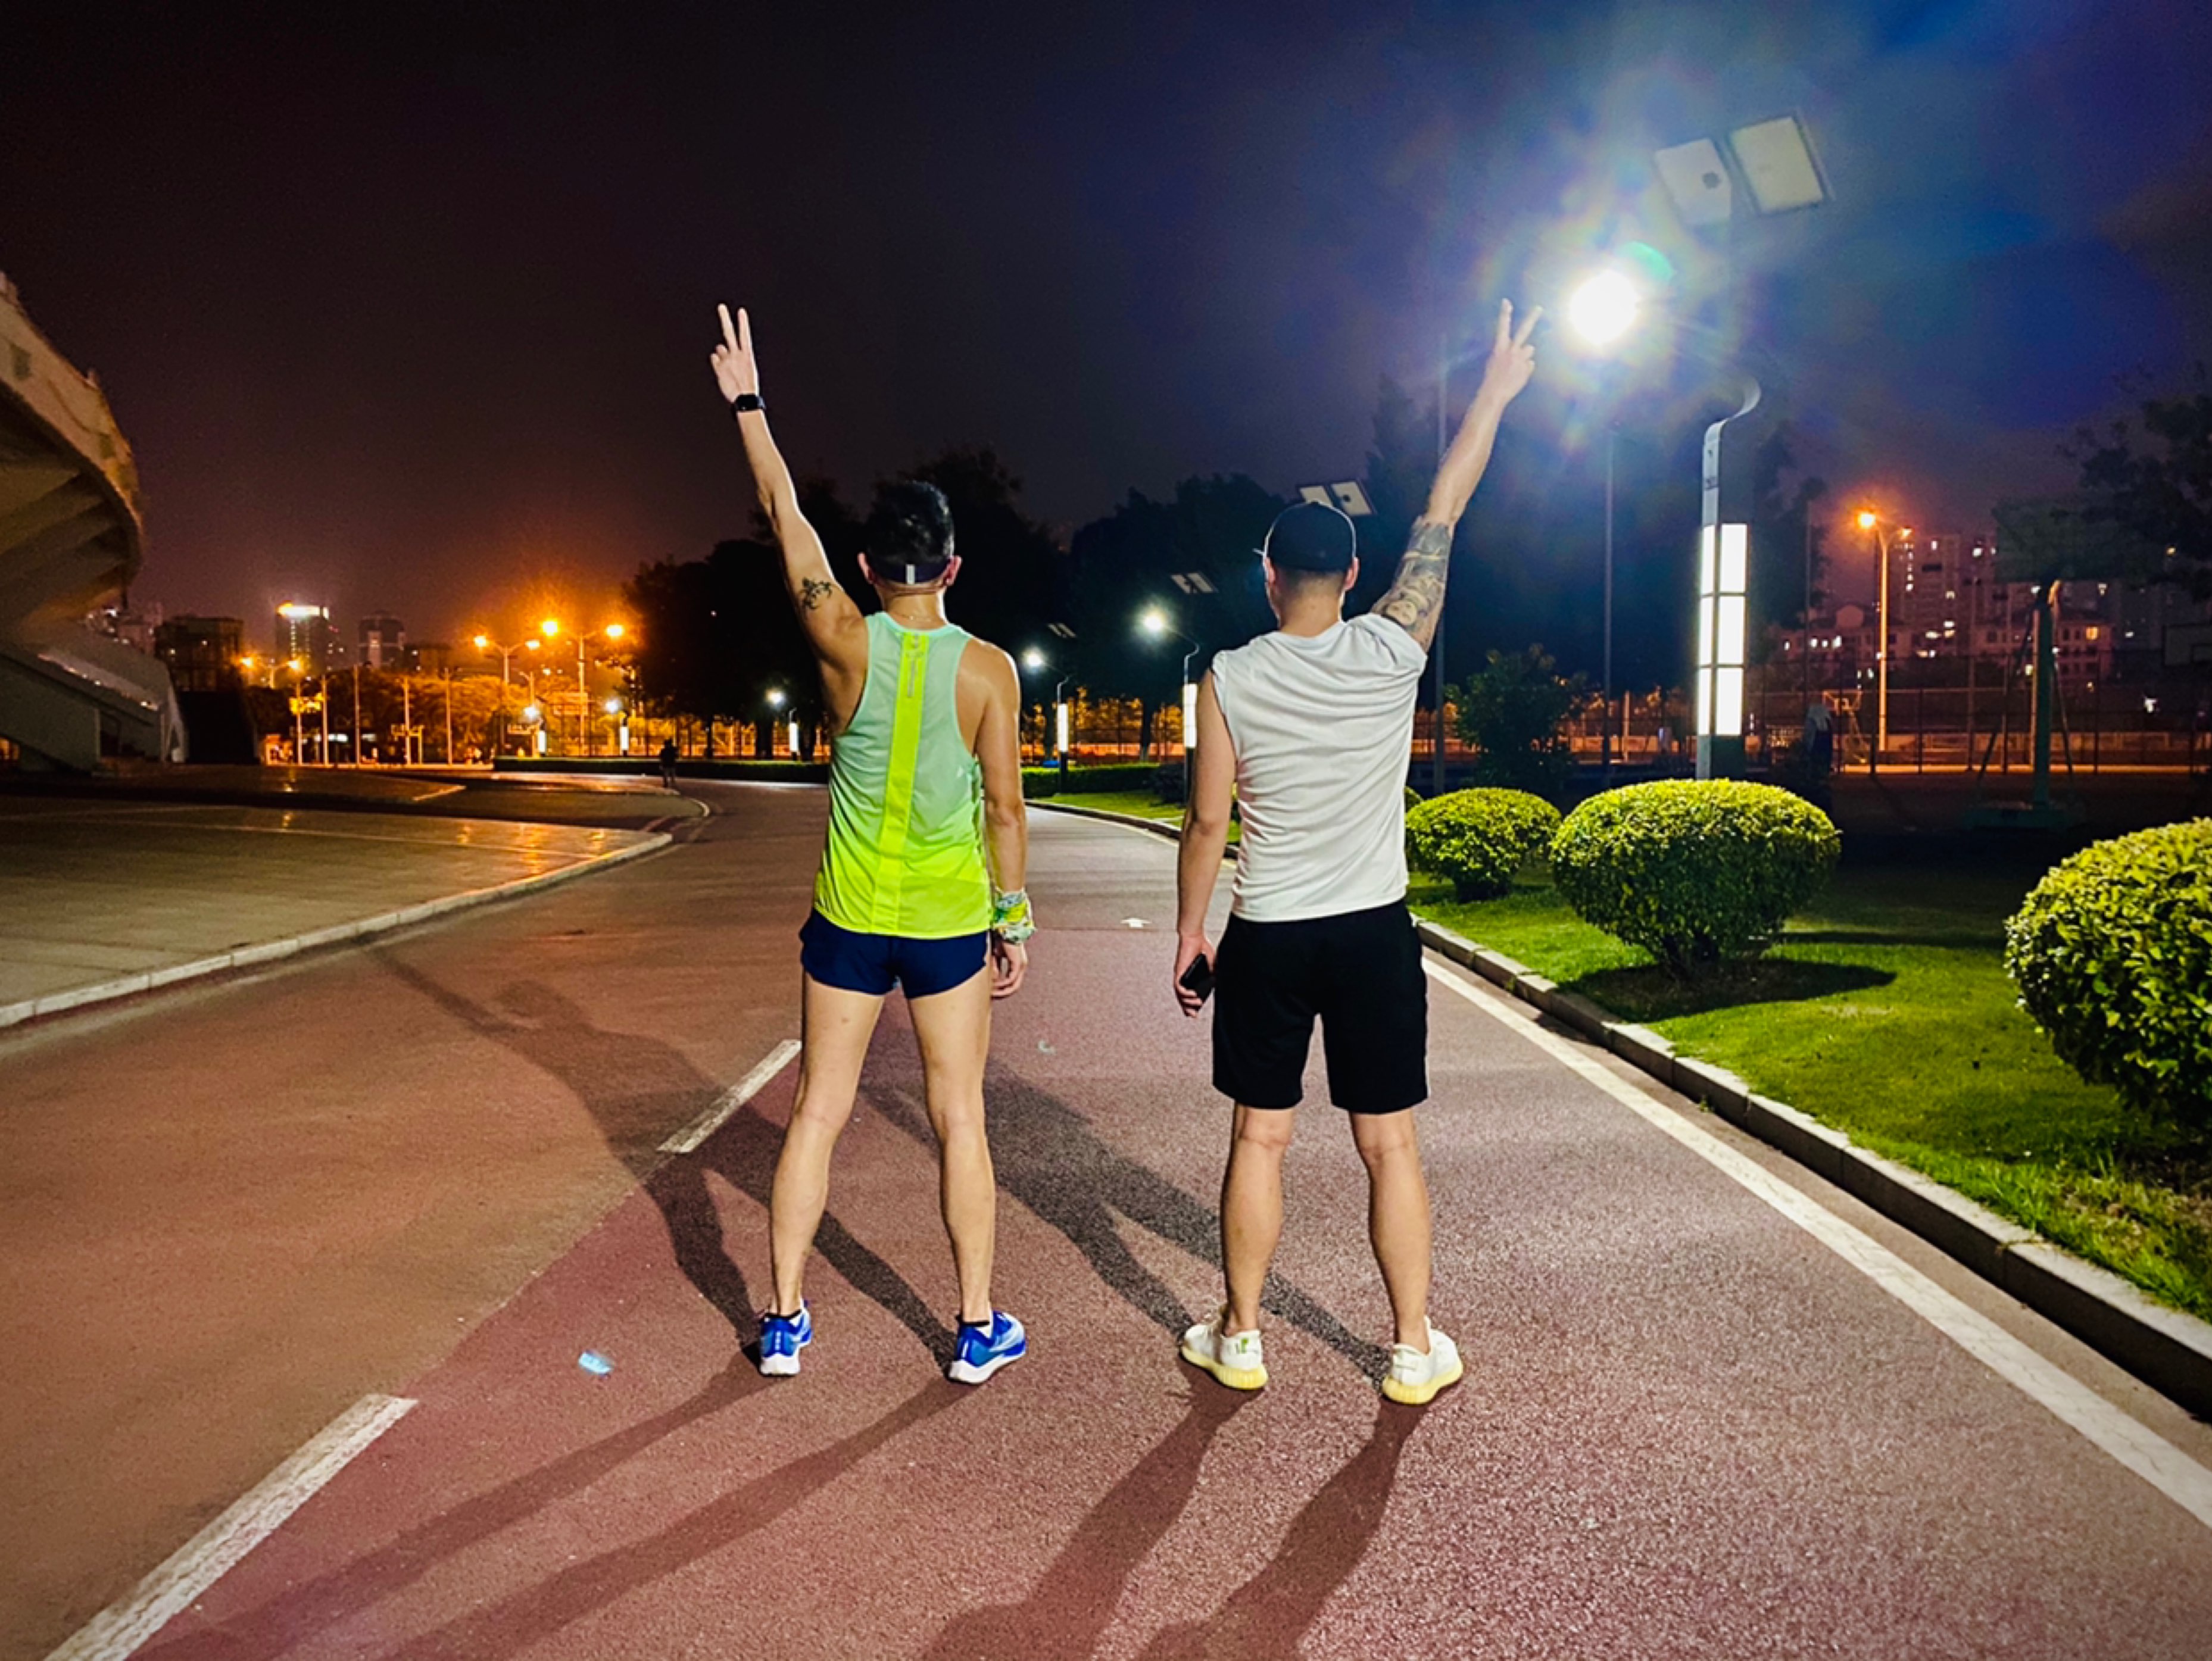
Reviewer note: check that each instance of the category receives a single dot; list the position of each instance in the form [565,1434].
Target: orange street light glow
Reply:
[549,628]
[1866,521]
[614,631]
[483,640]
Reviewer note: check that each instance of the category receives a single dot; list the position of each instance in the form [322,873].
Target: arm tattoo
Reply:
[813,590]
[1418,594]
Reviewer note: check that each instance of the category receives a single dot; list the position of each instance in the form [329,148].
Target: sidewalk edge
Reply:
[2168,1349]
[268,951]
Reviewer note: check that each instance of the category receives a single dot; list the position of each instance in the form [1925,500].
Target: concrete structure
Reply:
[71,535]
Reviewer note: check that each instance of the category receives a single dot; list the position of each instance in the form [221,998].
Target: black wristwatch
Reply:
[744,401]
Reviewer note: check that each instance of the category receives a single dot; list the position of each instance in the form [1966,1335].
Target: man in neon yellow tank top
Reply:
[925,780]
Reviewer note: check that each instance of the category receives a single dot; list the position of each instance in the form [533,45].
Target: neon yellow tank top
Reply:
[905,850]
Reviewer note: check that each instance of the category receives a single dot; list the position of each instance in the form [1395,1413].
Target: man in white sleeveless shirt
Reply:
[1312,726]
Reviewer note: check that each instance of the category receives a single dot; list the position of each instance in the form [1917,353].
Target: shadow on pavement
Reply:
[1265,1618]
[307,1608]
[1050,1158]
[636,1088]
[516,1622]
[1068,1610]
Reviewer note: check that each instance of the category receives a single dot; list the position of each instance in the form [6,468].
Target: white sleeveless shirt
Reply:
[1323,729]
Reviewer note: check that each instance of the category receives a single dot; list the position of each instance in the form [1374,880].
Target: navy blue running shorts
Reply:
[874,963]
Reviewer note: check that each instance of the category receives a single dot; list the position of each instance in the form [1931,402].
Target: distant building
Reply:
[304,632]
[133,626]
[383,642]
[431,657]
[1947,602]
[202,653]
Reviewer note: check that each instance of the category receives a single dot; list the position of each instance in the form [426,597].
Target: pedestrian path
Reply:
[1692,1425]
[100,897]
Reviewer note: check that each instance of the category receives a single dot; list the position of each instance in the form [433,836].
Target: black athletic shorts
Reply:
[1360,972]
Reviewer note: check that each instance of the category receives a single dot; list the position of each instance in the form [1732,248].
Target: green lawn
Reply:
[1886,1012]
[1138,803]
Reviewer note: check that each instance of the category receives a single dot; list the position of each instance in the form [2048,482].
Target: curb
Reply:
[1157,827]
[268,951]
[2168,1350]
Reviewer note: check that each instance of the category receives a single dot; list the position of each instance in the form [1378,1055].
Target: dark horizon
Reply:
[412,314]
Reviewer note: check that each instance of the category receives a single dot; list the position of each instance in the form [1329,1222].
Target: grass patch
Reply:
[1885,1011]
[1141,803]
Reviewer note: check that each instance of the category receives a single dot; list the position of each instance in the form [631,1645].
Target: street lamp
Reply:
[551,628]
[1604,308]
[485,643]
[1154,623]
[1871,521]
[1033,659]
[1602,311]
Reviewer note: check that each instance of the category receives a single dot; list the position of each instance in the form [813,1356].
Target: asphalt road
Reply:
[1693,1424]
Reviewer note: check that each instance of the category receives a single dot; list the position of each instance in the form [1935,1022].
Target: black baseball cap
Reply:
[1311,536]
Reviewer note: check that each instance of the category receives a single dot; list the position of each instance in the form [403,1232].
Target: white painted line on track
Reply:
[688,1139]
[117,1630]
[2133,1444]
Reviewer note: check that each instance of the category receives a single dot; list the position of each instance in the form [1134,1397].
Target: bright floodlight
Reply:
[549,628]
[776,699]
[1032,658]
[482,642]
[614,631]
[530,712]
[1154,622]
[613,707]
[1604,308]
[1866,521]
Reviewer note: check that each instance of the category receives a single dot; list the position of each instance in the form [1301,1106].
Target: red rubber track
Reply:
[1687,1429]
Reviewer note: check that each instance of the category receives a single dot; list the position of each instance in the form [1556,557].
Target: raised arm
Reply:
[833,623]
[1416,597]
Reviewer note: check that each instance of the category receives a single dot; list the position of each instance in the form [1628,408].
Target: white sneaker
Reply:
[1233,1358]
[1414,1378]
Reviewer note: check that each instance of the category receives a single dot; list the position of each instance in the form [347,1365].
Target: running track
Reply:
[1691,1426]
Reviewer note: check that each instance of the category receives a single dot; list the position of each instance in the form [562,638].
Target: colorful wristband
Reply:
[1010,917]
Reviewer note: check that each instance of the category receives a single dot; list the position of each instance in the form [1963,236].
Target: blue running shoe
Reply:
[985,1349]
[782,1336]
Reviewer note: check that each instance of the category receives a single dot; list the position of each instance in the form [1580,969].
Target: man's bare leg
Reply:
[1398,1217]
[953,1029]
[835,1028]
[1252,1206]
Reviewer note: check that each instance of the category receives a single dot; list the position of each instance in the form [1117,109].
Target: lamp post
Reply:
[1033,659]
[1155,623]
[1872,521]
[1063,727]
[485,643]
[776,701]
[1602,311]
[550,628]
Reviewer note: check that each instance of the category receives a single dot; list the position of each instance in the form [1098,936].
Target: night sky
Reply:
[411,310]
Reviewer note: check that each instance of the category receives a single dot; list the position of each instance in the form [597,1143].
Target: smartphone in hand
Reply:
[1199,978]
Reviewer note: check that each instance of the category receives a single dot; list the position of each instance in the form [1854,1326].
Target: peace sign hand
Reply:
[1512,358]
[735,371]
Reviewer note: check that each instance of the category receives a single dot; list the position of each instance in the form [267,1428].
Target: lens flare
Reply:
[1604,308]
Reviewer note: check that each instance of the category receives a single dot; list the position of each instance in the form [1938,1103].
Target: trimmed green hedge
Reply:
[2112,954]
[1478,837]
[1114,776]
[1694,871]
